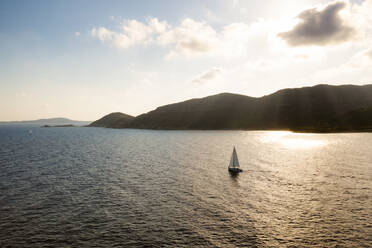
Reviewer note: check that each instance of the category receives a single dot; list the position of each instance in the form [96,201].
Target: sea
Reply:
[99,187]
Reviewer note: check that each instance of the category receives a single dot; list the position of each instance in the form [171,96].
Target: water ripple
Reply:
[92,187]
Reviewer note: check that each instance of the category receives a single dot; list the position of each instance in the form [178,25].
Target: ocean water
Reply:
[96,187]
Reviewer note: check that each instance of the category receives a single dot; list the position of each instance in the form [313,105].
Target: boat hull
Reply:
[235,170]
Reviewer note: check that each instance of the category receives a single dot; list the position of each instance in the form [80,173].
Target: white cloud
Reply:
[255,40]
[102,34]
[357,70]
[360,16]
[131,33]
[235,3]
[157,26]
[190,38]
[369,53]
[208,75]
[77,33]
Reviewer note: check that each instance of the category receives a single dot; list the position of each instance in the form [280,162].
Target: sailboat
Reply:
[234,163]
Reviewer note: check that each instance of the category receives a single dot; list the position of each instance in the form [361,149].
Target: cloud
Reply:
[369,53]
[337,22]
[77,33]
[357,70]
[208,75]
[189,38]
[235,3]
[102,34]
[131,33]
[320,28]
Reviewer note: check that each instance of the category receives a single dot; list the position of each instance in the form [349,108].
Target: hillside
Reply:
[222,111]
[318,108]
[113,120]
[315,106]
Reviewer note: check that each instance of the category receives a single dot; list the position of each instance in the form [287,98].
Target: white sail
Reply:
[231,161]
[234,162]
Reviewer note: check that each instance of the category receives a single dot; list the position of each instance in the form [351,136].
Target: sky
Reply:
[83,59]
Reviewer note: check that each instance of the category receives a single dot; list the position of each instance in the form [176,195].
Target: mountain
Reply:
[113,120]
[222,111]
[50,121]
[321,108]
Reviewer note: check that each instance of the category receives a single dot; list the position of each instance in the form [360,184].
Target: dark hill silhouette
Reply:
[317,108]
[214,112]
[352,121]
[113,120]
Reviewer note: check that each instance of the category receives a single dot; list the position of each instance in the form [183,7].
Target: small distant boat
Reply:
[234,166]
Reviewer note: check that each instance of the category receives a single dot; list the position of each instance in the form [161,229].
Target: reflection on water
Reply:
[234,176]
[84,187]
[294,140]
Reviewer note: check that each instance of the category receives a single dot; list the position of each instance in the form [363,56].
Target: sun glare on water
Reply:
[293,140]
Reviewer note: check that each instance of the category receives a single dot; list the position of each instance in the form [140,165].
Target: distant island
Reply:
[68,125]
[321,108]
[49,122]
